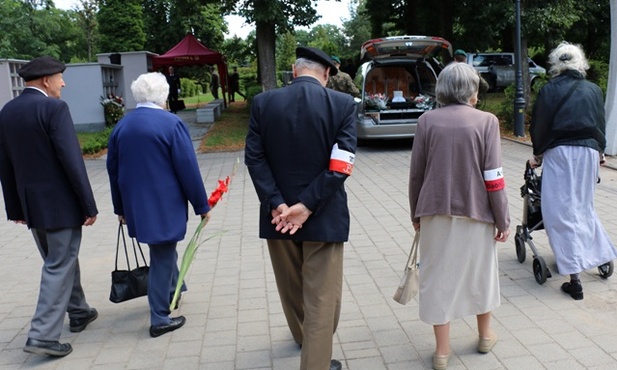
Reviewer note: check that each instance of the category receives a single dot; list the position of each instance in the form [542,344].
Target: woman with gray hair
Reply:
[457,197]
[568,135]
[154,174]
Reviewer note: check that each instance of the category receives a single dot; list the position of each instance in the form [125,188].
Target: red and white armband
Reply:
[341,160]
[493,179]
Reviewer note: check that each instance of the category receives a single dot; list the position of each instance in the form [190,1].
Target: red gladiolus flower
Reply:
[217,194]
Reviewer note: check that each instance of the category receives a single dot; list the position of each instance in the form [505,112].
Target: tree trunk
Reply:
[611,94]
[266,38]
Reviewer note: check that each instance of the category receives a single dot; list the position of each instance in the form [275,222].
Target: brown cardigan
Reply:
[452,148]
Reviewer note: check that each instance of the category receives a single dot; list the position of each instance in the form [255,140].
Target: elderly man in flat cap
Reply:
[299,152]
[46,188]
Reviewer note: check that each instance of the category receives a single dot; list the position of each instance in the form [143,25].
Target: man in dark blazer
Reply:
[174,90]
[46,187]
[299,152]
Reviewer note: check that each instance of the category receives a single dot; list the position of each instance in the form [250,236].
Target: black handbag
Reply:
[128,284]
[176,105]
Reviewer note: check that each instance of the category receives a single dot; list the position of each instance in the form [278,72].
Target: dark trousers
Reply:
[162,280]
[60,289]
[309,278]
[171,99]
[233,94]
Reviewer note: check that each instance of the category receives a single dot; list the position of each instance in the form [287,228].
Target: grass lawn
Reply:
[227,134]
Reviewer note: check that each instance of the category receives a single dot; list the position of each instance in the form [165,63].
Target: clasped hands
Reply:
[290,219]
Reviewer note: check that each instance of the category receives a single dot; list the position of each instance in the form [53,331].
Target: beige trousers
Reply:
[309,277]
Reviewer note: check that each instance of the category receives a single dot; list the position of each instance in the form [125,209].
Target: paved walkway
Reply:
[234,317]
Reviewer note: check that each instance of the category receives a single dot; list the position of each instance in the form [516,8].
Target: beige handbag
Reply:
[408,288]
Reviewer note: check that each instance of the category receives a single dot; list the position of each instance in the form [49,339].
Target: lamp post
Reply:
[519,100]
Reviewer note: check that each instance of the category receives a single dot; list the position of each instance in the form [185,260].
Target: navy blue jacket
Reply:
[44,179]
[291,134]
[154,174]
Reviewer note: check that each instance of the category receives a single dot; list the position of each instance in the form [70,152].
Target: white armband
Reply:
[493,179]
[341,160]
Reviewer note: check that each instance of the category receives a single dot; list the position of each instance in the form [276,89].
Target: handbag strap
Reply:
[140,252]
[412,260]
[126,253]
[564,99]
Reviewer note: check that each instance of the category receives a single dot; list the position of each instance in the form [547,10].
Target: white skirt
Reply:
[577,238]
[458,268]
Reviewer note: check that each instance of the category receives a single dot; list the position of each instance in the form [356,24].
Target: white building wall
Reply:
[86,83]
[11,84]
[134,64]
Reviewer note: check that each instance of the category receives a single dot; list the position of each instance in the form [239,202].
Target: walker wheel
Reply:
[519,241]
[540,271]
[606,270]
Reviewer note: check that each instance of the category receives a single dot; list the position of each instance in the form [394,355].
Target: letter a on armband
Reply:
[493,179]
[341,160]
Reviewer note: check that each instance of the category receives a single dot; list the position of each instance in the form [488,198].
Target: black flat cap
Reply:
[316,55]
[41,67]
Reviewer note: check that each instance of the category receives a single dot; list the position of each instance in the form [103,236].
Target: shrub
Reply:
[598,74]
[188,88]
[97,142]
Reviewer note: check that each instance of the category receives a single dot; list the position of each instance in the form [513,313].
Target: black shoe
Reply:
[574,289]
[47,347]
[79,324]
[335,365]
[176,323]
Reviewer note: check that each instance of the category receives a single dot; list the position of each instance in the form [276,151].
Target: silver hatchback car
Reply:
[397,80]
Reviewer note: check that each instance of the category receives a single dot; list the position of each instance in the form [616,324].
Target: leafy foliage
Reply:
[121,26]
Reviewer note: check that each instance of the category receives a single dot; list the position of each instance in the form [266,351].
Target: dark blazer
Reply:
[291,134]
[44,179]
[174,85]
[584,109]
[153,172]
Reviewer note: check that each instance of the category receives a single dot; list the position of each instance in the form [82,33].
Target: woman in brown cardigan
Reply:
[457,195]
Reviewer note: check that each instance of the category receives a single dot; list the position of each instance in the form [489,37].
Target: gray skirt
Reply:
[458,269]
[577,238]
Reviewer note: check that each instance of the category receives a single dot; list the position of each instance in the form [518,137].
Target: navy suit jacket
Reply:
[291,134]
[44,179]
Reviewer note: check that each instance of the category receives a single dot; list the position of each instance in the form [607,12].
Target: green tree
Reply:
[156,15]
[357,30]
[121,26]
[271,17]
[285,51]
[86,21]
[239,51]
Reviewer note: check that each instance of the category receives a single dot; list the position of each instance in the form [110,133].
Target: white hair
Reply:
[303,63]
[567,56]
[150,87]
[457,84]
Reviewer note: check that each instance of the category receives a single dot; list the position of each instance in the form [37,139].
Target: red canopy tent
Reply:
[189,52]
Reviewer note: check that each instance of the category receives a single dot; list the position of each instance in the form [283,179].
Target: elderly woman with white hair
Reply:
[568,134]
[457,198]
[154,174]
